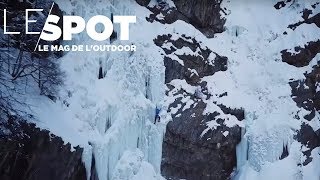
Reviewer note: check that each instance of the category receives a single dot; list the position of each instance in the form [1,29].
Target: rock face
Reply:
[306,92]
[304,56]
[143,2]
[191,150]
[200,63]
[28,153]
[187,155]
[195,13]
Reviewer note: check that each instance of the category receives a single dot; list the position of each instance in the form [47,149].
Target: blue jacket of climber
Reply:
[157,116]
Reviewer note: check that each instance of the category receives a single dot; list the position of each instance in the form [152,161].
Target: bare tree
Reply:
[20,70]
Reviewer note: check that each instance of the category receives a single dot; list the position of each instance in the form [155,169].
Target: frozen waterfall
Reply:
[118,110]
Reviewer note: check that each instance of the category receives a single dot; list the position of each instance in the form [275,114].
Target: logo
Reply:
[73,25]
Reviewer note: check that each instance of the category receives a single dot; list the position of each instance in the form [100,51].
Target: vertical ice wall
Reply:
[116,112]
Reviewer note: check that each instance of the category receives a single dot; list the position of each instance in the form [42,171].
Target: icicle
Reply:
[242,150]
[87,159]
[147,87]
[100,75]
[114,34]
[285,152]
[242,157]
